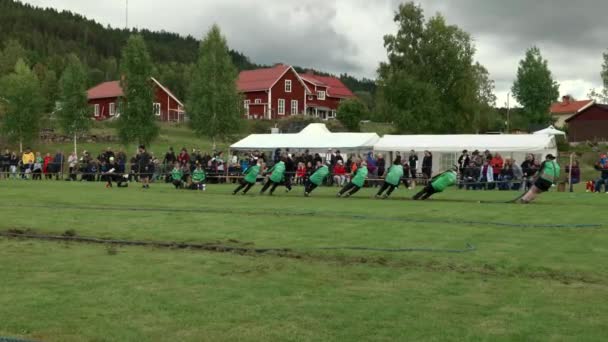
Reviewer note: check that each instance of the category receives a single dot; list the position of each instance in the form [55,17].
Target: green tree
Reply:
[74,114]
[601,95]
[351,112]
[486,116]
[429,83]
[12,52]
[534,87]
[214,103]
[23,104]
[137,122]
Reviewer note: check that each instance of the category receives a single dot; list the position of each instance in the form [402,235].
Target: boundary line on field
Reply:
[313,214]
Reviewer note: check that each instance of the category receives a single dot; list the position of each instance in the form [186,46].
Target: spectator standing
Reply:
[72,166]
[13,165]
[413,164]
[427,164]
[463,161]
[58,164]
[144,166]
[497,165]
[27,162]
[183,157]
[5,164]
[37,167]
[518,175]
[47,166]
[381,164]
[486,178]
[471,176]
[527,167]
[602,166]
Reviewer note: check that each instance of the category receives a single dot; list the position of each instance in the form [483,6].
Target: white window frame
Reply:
[294,107]
[321,95]
[288,86]
[96,110]
[156,107]
[258,101]
[112,110]
[281,107]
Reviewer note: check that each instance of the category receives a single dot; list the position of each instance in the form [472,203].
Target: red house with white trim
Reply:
[105,98]
[279,91]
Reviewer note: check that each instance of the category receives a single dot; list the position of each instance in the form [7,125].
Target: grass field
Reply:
[536,272]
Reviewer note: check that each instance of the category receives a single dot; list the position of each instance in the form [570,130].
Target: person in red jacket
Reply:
[45,166]
[339,174]
[497,164]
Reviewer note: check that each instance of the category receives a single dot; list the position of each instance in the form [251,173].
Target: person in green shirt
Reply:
[392,179]
[548,175]
[357,181]
[316,178]
[198,178]
[277,176]
[250,176]
[438,184]
[177,176]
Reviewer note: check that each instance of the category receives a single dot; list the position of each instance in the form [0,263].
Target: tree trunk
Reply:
[75,145]
[21,146]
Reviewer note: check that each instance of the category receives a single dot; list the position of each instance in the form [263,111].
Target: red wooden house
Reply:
[275,92]
[105,98]
[590,124]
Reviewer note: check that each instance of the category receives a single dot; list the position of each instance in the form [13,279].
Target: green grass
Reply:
[521,283]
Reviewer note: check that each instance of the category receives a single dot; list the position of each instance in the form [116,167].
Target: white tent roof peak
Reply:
[315,128]
[551,130]
[313,137]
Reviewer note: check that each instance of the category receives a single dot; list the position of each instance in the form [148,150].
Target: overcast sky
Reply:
[346,35]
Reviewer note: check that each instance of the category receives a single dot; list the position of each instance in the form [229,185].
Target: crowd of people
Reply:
[192,169]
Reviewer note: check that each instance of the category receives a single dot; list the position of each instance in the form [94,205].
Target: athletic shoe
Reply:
[306,194]
[385,196]
[234,193]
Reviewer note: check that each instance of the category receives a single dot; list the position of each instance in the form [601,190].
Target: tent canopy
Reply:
[312,137]
[551,130]
[456,143]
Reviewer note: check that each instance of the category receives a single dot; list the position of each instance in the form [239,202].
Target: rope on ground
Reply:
[215,247]
[317,214]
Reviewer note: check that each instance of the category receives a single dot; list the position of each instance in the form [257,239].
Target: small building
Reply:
[562,111]
[273,93]
[590,124]
[105,98]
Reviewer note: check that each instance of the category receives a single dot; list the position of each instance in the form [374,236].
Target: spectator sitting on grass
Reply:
[177,176]
[198,178]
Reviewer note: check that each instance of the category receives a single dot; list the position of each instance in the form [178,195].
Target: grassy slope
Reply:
[521,283]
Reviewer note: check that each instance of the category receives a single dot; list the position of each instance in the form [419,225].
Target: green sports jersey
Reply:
[278,171]
[550,171]
[360,176]
[395,173]
[177,174]
[198,175]
[444,181]
[319,175]
[251,174]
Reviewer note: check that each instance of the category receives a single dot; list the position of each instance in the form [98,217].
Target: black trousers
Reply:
[386,186]
[243,185]
[274,185]
[425,193]
[178,183]
[310,186]
[349,188]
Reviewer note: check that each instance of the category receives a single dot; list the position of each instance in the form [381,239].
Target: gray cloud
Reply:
[346,35]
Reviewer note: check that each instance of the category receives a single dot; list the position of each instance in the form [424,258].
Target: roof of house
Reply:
[601,106]
[570,107]
[113,89]
[261,79]
[105,90]
[335,87]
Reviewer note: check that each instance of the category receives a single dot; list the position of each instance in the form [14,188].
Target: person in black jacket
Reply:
[427,164]
[4,163]
[144,167]
[290,171]
[528,169]
[413,164]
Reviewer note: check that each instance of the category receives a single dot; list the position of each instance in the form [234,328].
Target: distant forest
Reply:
[47,36]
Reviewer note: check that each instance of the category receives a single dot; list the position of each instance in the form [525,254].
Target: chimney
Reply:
[566,99]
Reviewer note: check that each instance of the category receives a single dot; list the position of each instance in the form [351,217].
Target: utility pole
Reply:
[127,15]
[508,112]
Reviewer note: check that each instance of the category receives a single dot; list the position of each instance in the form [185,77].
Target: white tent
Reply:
[551,130]
[312,137]
[447,148]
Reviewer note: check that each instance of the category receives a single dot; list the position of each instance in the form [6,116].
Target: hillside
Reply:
[48,36]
